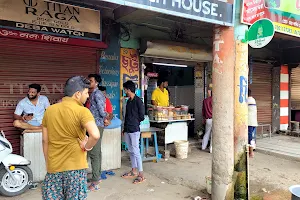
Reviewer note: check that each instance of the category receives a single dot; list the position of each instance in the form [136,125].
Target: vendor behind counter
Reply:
[160,96]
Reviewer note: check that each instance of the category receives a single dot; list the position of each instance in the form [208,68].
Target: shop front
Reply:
[269,68]
[174,62]
[46,43]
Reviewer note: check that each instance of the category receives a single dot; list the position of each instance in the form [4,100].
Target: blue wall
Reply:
[110,71]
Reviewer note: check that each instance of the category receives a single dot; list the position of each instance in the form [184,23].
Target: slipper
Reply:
[103,176]
[93,187]
[111,173]
[129,175]
[139,180]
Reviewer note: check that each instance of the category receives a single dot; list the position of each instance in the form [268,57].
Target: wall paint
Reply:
[110,71]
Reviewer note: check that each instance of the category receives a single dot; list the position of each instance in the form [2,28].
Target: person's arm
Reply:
[141,110]
[88,122]
[18,112]
[94,134]
[47,103]
[45,139]
[100,102]
[45,142]
[154,98]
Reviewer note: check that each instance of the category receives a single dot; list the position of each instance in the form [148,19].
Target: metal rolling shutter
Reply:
[261,88]
[295,88]
[24,62]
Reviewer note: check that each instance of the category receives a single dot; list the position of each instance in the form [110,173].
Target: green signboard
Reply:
[260,33]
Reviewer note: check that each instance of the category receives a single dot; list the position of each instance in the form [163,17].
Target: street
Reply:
[185,179]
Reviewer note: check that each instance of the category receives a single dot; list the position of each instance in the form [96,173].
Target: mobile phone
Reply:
[30,114]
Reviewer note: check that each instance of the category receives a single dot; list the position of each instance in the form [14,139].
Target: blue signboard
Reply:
[211,11]
[110,73]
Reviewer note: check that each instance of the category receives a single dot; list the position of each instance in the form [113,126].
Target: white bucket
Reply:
[181,148]
[208,184]
[295,190]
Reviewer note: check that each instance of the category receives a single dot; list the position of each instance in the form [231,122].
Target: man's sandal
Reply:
[93,187]
[139,180]
[130,174]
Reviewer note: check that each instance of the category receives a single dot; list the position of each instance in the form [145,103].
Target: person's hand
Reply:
[27,118]
[106,122]
[123,133]
[83,142]
[203,121]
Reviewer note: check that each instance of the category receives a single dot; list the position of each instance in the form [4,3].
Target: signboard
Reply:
[50,17]
[284,14]
[212,11]
[129,70]
[129,66]
[110,73]
[261,33]
[51,38]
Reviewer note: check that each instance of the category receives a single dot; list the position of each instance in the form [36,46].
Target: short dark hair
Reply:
[129,85]
[101,88]
[161,80]
[249,92]
[76,84]
[96,76]
[36,86]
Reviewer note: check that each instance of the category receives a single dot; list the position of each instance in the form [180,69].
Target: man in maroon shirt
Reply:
[207,118]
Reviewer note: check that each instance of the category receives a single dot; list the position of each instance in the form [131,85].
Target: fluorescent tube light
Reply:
[171,65]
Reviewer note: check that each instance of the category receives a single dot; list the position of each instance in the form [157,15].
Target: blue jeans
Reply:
[133,142]
[251,133]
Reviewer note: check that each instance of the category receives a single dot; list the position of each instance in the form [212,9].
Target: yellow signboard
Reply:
[50,17]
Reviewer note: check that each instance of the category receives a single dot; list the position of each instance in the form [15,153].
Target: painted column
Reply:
[223,113]
[284,98]
[276,99]
[241,108]
[230,111]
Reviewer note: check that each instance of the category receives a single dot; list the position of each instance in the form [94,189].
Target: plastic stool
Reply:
[146,136]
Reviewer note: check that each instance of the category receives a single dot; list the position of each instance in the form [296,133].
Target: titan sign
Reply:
[50,17]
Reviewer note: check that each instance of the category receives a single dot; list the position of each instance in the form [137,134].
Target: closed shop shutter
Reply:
[295,88]
[261,88]
[24,62]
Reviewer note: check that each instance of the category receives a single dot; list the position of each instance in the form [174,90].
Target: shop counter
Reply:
[173,130]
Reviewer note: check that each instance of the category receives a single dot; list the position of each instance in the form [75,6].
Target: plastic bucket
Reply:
[208,184]
[181,148]
[295,190]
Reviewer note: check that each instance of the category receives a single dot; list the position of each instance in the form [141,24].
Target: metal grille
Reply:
[261,88]
[295,88]
[24,62]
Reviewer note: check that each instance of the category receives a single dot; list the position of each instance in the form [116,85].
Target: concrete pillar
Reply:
[223,113]
[240,177]
[230,111]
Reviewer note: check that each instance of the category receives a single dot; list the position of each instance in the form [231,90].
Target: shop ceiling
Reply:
[283,48]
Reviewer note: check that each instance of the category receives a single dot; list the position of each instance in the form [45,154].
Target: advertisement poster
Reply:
[129,66]
[285,14]
[110,73]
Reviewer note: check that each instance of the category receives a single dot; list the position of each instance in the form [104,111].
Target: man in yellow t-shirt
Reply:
[65,143]
[160,96]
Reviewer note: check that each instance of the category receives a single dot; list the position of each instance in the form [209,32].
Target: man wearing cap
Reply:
[207,118]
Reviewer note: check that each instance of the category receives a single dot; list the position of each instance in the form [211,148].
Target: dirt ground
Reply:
[184,179]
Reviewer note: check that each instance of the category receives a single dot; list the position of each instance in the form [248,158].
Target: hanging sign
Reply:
[212,11]
[261,33]
[285,14]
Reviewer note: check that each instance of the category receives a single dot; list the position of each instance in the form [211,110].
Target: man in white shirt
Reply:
[30,111]
[252,118]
